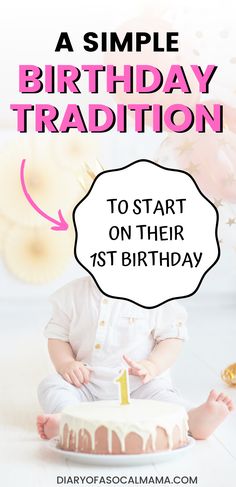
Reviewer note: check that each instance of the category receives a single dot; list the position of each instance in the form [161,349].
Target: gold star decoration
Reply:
[192,168]
[217,203]
[231,221]
[186,146]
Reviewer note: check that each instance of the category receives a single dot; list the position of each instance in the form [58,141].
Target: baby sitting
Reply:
[89,335]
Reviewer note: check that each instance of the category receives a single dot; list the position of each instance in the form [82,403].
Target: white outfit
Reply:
[101,330]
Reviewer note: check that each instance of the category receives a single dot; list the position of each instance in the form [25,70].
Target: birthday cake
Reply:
[106,427]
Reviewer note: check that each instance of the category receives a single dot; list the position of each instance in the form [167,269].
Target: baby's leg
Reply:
[159,389]
[54,395]
[48,425]
[204,419]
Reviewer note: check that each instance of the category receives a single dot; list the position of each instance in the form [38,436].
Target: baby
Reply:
[90,338]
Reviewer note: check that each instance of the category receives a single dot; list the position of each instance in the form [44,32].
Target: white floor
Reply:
[26,460]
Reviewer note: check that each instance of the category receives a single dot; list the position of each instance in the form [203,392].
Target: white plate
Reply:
[144,459]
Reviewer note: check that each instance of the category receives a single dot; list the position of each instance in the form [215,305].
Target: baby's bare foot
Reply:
[48,425]
[205,419]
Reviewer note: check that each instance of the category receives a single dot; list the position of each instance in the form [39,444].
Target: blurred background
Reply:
[35,261]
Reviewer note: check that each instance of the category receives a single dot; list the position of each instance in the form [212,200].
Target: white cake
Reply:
[106,427]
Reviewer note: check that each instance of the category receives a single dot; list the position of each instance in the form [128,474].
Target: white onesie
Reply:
[101,330]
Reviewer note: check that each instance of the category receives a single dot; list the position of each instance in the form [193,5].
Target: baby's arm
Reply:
[66,365]
[162,357]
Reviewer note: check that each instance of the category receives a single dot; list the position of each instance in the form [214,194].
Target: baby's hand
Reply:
[76,373]
[145,369]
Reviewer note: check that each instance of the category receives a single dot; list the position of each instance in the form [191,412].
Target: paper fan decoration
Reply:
[5,225]
[51,187]
[37,255]
[71,151]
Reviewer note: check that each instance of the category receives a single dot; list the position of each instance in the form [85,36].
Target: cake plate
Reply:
[121,460]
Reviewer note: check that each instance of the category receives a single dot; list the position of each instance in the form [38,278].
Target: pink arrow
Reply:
[60,224]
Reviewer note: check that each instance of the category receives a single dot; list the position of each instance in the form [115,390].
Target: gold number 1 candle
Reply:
[123,382]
